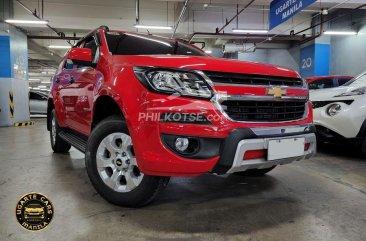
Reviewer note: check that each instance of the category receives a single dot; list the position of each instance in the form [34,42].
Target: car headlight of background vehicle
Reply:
[171,81]
[358,91]
[334,109]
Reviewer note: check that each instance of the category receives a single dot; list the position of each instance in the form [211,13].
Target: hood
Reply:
[206,64]
[328,94]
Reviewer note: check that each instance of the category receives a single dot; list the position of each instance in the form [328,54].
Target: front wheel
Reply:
[255,172]
[112,167]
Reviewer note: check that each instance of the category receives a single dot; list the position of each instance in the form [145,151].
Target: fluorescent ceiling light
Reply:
[15,21]
[42,86]
[36,88]
[45,82]
[34,79]
[250,30]
[153,27]
[340,33]
[59,47]
[208,51]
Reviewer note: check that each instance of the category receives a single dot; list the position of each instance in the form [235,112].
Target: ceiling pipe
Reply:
[321,23]
[180,17]
[236,15]
[137,9]
[42,8]
[61,34]
[317,35]
[248,36]
[52,37]
[328,20]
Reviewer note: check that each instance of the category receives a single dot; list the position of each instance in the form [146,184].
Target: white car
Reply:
[38,103]
[340,113]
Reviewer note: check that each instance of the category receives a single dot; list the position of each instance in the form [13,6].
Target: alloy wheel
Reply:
[116,163]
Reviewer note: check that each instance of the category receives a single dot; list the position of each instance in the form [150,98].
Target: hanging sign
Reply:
[282,10]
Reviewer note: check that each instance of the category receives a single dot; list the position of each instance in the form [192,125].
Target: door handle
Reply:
[72,80]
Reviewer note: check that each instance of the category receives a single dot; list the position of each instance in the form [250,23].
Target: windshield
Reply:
[134,44]
[359,81]
[321,84]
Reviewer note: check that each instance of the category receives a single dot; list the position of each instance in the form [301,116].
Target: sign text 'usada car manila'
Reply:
[282,10]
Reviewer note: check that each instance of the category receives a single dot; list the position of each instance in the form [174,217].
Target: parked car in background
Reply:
[37,103]
[340,113]
[325,82]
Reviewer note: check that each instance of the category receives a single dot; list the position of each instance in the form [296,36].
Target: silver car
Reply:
[38,102]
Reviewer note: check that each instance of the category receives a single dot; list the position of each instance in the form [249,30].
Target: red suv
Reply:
[144,108]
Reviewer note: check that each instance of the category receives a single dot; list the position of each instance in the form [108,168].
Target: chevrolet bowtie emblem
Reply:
[276,92]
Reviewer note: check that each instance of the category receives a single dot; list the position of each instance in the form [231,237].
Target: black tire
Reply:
[58,145]
[142,194]
[255,172]
[320,142]
[363,146]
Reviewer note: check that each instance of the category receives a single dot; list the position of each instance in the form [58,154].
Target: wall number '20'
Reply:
[306,63]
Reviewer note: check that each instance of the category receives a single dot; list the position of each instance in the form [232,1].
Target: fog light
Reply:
[333,109]
[181,144]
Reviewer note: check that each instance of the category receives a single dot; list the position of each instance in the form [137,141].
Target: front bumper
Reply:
[225,155]
[245,139]
[240,165]
[344,125]
[220,138]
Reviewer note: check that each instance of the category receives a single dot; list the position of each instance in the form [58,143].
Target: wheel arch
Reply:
[104,107]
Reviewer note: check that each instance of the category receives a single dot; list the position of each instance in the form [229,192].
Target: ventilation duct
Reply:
[238,47]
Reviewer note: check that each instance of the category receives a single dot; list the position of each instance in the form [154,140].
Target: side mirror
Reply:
[80,56]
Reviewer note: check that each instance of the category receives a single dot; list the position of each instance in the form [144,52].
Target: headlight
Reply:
[359,91]
[170,81]
[334,109]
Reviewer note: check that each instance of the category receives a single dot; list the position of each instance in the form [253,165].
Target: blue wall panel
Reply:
[5,66]
[315,60]
[307,55]
[322,59]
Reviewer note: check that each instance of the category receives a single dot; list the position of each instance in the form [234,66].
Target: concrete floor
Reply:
[319,199]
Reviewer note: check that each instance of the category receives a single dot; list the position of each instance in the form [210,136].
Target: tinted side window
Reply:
[342,81]
[321,84]
[31,96]
[130,44]
[35,96]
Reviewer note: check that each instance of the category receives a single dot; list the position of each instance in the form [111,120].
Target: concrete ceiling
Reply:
[80,16]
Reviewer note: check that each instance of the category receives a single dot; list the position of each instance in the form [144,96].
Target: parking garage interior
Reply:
[320,198]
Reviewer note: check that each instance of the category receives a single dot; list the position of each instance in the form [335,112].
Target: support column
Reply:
[14,86]
[315,57]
